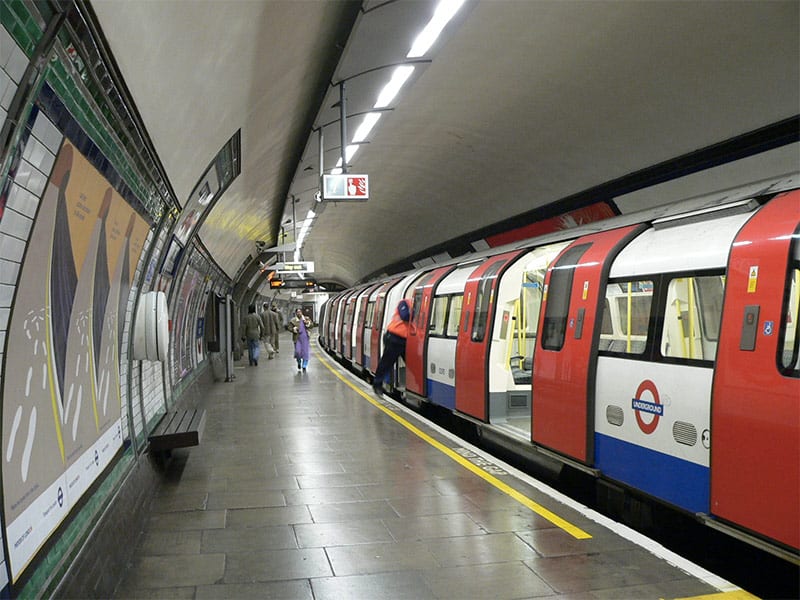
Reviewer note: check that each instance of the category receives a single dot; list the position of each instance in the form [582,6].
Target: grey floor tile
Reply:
[194,519]
[392,490]
[342,479]
[275,565]
[516,519]
[496,582]
[405,585]
[298,589]
[475,550]
[346,511]
[330,467]
[251,539]
[342,534]
[553,541]
[324,495]
[607,570]
[431,505]
[170,542]
[435,526]
[176,570]
[249,499]
[179,502]
[181,593]
[265,517]
[379,558]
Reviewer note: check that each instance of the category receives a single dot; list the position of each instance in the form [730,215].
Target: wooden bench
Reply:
[178,429]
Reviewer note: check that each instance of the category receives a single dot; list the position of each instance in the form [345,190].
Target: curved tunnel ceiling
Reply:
[520,105]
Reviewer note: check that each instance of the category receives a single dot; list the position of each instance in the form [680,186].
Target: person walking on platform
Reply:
[270,325]
[394,341]
[279,327]
[252,332]
[300,326]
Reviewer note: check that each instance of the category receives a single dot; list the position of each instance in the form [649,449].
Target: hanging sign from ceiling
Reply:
[345,187]
[294,267]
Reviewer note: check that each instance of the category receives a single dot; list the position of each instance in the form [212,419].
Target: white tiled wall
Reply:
[13,63]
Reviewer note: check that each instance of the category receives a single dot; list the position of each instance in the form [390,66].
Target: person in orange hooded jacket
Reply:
[394,343]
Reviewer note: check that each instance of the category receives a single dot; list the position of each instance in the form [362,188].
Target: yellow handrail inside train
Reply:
[692,309]
[630,306]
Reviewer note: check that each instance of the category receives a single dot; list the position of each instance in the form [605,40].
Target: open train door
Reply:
[475,335]
[361,324]
[755,410]
[416,343]
[374,328]
[564,364]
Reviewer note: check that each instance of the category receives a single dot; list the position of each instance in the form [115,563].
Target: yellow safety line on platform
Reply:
[732,595]
[540,510]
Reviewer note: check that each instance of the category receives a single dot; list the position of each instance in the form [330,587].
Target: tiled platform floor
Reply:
[303,488]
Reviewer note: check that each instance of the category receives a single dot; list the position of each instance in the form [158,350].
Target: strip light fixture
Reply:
[442,15]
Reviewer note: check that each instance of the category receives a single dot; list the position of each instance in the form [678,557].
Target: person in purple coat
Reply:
[300,326]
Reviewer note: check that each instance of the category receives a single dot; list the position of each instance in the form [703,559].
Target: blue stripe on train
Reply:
[442,394]
[679,482]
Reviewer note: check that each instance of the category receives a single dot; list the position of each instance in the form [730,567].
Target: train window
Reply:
[483,300]
[438,315]
[525,320]
[555,314]
[606,327]
[789,349]
[454,315]
[368,316]
[626,316]
[693,312]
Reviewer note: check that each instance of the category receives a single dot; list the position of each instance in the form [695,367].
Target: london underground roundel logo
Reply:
[647,403]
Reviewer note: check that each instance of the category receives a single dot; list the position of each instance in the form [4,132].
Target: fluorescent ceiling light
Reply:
[350,151]
[366,126]
[445,10]
[389,91]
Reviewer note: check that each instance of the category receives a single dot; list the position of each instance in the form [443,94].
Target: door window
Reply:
[558,295]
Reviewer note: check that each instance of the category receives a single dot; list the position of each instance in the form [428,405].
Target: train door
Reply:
[363,313]
[347,324]
[474,335]
[374,323]
[441,298]
[403,289]
[516,322]
[755,413]
[333,320]
[564,364]
[343,327]
[417,341]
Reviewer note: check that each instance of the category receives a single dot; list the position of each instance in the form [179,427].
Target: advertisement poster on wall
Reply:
[62,410]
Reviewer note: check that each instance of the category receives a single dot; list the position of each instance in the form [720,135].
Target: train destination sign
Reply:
[276,284]
[345,187]
[294,267]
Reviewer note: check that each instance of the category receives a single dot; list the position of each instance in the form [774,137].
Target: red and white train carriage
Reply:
[659,351]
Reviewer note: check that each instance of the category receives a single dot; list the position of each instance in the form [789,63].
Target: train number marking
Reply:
[478,461]
[640,405]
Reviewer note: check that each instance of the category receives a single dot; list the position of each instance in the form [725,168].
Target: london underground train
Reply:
[658,352]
